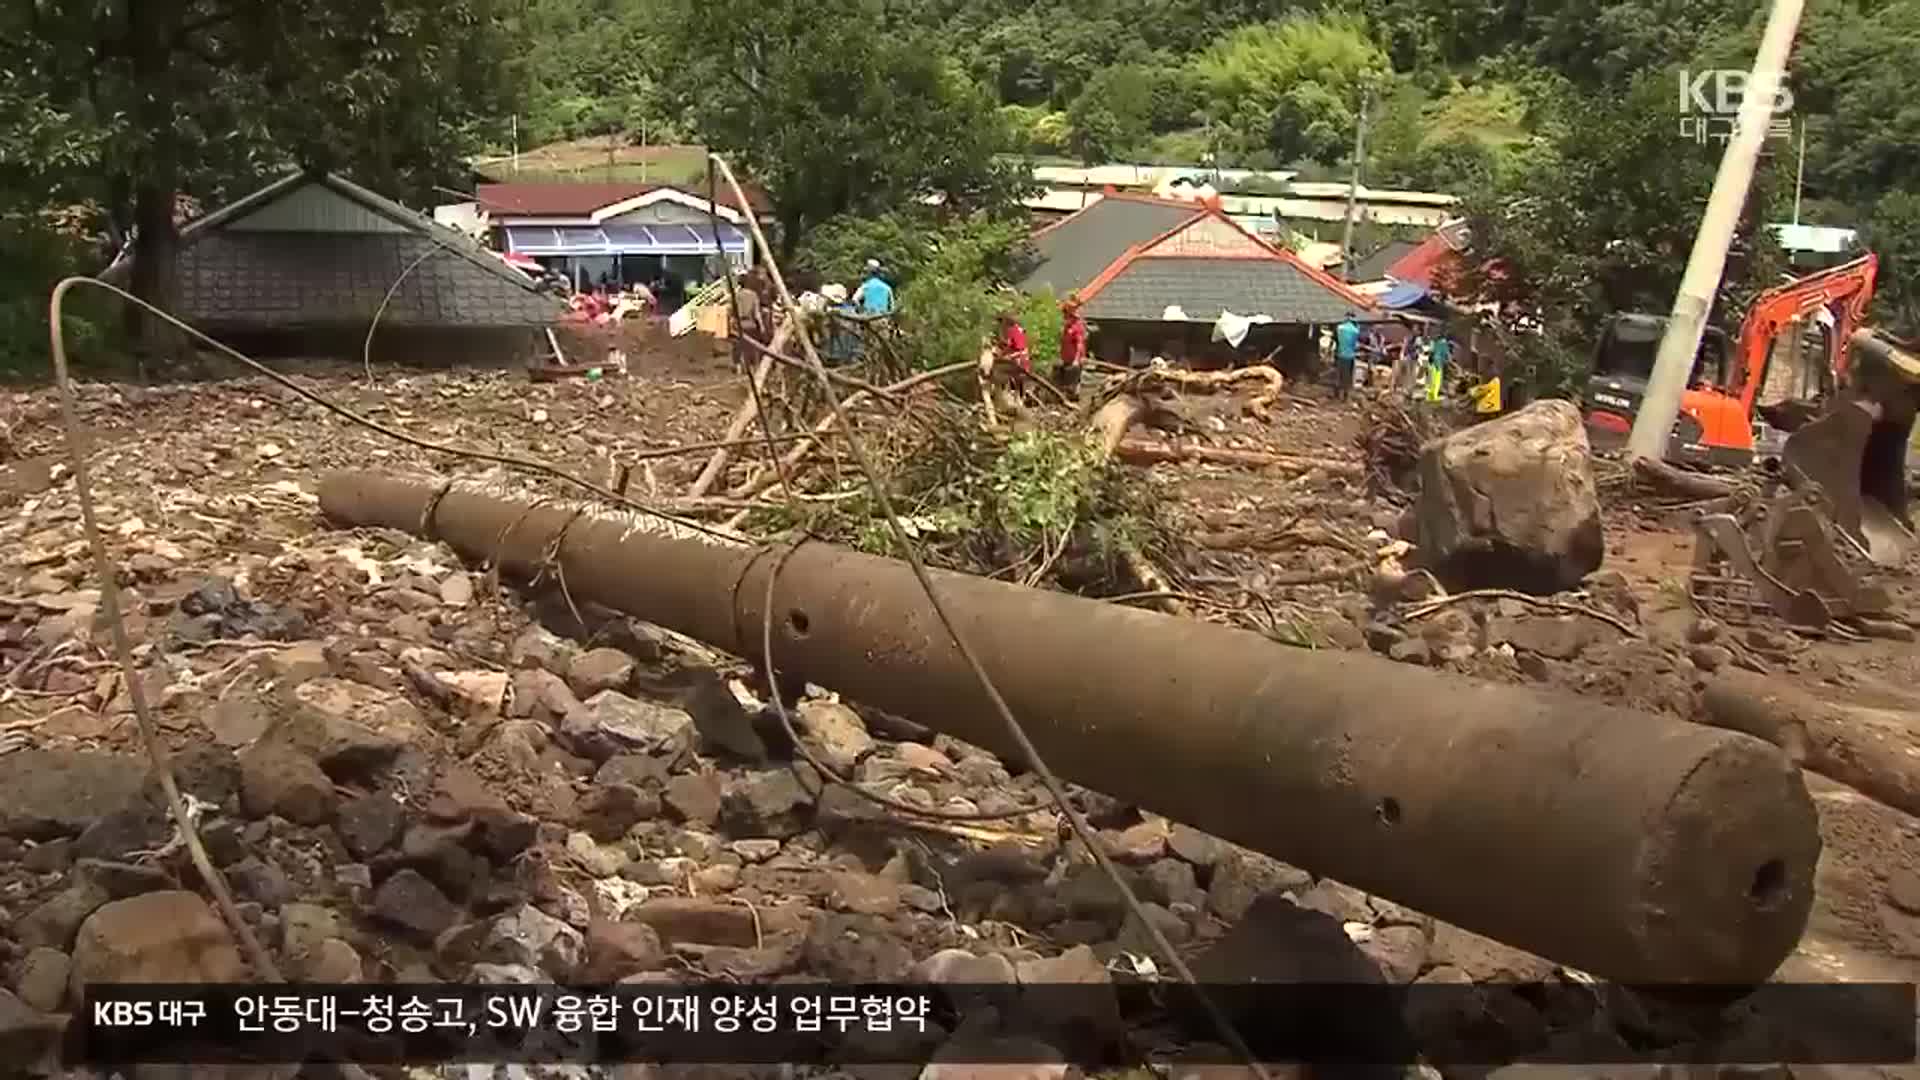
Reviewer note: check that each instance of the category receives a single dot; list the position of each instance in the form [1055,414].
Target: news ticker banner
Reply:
[804,1023]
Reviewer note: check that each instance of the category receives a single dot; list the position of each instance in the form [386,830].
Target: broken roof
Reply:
[314,250]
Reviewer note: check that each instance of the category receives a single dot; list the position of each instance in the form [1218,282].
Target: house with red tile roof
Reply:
[616,233]
[1155,276]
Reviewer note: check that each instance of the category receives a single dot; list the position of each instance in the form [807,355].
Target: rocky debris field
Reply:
[409,771]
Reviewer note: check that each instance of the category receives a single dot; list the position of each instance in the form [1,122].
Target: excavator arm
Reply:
[1843,290]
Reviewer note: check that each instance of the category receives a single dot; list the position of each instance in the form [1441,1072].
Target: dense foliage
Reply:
[896,128]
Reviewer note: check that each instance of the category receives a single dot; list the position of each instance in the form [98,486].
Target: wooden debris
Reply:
[1870,750]
[1144,452]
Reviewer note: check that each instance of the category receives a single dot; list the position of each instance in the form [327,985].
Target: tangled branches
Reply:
[1390,439]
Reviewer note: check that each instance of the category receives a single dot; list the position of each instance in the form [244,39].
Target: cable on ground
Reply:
[911,555]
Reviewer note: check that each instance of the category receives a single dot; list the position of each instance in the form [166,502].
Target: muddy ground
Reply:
[410,771]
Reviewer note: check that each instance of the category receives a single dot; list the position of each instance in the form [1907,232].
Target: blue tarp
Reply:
[1404,294]
[623,240]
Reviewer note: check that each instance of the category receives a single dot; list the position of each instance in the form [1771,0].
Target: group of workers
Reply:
[1421,362]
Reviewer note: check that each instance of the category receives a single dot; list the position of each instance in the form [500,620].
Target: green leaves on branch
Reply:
[1295,86]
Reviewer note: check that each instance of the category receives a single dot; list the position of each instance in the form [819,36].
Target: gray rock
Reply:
[722,722]
[140,826]
[43,979]
[351,729]
[50,793]
[612,723]
[1172,881]
[541,694]
[53,924]
[336,963]
[696,921]
[835,732]
[264,883]
[1400,951]
[597,670]
[27,1038]
[769,803]
[694,798]
[609,810]
[530,937]
[537,647]
[616,950]
[303,928]
[1343,902]
[121,880]
[368,824]
[1512,503]
[1242,876]
[409,901]
[1196,847]
[277,779]
[1483,959]
[959,967]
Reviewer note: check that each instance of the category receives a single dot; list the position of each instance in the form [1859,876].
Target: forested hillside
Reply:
[1559,122]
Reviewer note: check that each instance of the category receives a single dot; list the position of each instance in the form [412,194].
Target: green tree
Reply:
[1296,85]
[832,115]
[1601,217]
[585,74]
[201,97]
[1893,232]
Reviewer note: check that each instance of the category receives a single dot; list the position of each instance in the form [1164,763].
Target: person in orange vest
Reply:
[1073,345]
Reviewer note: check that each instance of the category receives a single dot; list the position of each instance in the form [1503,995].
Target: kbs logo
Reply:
[1729,91]
[1710,103]
[124,1013]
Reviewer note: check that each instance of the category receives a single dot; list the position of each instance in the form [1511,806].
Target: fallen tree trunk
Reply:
[1113,420]
[717,464]
[1874,751]
[1680,481]
[1142,452]
[1111,424]
[1209,381]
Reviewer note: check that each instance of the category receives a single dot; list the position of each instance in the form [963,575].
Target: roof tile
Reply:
[1205,287]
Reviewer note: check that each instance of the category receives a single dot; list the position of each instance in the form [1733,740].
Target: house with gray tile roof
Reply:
[1155,275]
[300,267]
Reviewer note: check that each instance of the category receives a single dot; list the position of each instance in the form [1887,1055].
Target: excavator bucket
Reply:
[1855,456]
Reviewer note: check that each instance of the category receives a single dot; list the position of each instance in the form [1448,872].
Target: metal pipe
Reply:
[1635,848]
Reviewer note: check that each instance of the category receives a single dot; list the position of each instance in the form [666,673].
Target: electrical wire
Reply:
[911,555]
[826,771]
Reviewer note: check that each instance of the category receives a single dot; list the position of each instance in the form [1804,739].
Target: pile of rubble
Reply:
[409,772]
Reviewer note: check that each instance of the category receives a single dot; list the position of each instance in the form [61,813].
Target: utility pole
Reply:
[1681,342]
[1800,173]
[1353,189]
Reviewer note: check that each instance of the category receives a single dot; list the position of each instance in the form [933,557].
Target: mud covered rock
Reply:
[1512,503]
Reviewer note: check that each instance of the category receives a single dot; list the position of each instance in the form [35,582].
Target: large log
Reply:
[1626,845]
[1874,751]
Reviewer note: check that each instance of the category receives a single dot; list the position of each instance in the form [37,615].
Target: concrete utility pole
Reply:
[1353,189]
[1674,361]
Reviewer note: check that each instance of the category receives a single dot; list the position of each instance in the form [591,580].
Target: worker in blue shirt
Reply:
[875,296]
[1346,350]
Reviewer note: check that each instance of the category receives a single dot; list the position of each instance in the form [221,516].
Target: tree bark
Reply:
[151,30]
[1870,750]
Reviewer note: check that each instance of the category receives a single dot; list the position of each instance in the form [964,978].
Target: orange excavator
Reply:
[1724,419]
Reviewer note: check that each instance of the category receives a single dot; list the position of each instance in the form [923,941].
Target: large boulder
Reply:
[1511,503]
